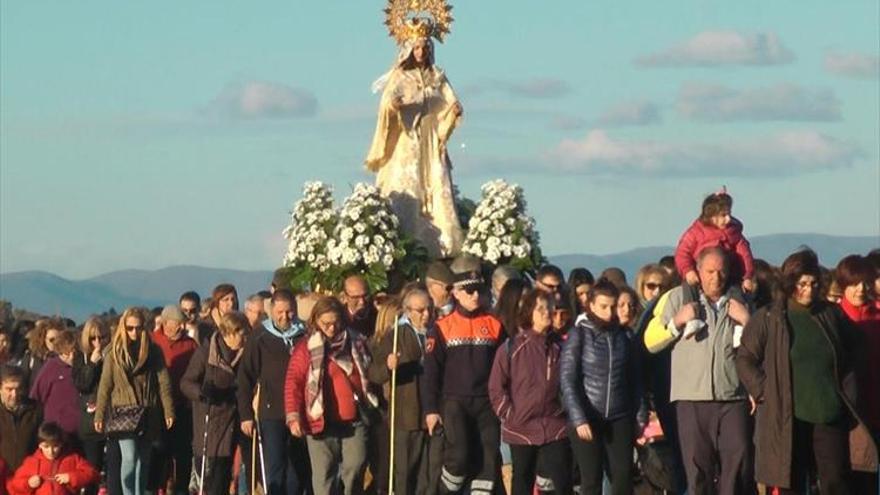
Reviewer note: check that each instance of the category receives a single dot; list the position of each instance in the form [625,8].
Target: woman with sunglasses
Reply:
[134,374]
[87,367]
[651,281]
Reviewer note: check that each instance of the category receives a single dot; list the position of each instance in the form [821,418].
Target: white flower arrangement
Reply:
[500,231]
[366,236]
[325,245]
[312,222]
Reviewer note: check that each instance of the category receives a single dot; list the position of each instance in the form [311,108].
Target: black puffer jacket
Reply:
[599,373]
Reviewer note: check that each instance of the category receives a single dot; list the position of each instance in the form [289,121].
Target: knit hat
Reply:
[172,313]
[438,271]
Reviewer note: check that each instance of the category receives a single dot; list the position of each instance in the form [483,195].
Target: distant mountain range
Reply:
[47,293]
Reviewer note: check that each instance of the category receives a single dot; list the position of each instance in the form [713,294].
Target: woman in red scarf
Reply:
[326,398]
[855,275]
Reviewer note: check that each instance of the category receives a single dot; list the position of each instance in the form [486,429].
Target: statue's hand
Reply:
[457,109]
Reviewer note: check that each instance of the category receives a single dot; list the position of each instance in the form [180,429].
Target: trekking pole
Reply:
[259,436]
[262,459]
[253,463]
[393,407]
[204,452]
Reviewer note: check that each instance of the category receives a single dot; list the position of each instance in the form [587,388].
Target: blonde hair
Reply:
[119,345]
[94,326]
[387,314]
[646,272]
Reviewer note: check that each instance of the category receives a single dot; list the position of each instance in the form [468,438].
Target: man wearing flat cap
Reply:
[439,280]
[455,396]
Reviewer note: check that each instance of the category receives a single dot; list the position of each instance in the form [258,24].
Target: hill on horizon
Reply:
[47,293]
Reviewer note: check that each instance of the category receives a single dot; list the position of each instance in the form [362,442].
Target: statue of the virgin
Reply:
[417,114]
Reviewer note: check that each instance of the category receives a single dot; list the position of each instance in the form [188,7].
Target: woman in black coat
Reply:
[209,382]
[87,367]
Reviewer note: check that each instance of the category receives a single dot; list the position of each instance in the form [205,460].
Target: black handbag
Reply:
[368,414]
[125,419]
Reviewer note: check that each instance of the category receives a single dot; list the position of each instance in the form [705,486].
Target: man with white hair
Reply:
[412,474]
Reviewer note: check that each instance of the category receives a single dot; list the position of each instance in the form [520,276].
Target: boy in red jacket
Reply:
[51,470]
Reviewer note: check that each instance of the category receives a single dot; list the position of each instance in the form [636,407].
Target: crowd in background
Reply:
[713,372]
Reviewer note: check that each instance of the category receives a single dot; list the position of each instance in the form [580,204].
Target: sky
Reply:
[144,135]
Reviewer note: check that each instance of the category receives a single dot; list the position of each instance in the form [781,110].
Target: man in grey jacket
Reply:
[711,404]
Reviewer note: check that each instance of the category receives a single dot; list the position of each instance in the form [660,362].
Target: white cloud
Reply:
[567,123]
[856,65]
[540,88]
[630,113]
[718,48]
[260,99]
[716,103]
[783,154]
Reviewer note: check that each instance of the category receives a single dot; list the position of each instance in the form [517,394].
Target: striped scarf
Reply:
[349,351]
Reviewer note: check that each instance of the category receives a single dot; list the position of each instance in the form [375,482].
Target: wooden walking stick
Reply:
[393,406]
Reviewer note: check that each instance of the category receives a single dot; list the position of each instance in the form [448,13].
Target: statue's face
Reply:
[420,52]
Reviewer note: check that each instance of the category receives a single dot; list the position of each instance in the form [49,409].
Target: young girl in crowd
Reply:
[53,469]
[716,227]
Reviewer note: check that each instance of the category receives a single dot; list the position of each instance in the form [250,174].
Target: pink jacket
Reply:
[700,236]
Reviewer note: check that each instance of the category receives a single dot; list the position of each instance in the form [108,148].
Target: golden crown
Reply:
[409,19]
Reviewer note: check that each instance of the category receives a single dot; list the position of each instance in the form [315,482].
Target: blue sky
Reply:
[142,135]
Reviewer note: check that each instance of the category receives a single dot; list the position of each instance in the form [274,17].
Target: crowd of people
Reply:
[713,372]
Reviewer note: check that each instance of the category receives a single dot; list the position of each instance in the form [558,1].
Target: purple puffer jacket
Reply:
[55,391]
[524,389]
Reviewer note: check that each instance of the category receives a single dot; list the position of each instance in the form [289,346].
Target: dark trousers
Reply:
[113,467]
[823,450]
[467,419]
[432,464]
[669,423]
[378,456]
[555,461]
[715,440]
[610,451]
[93,450]
[287,460]
[172,455]
[218,474]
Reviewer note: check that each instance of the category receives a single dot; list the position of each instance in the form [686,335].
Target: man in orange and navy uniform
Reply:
[455,397]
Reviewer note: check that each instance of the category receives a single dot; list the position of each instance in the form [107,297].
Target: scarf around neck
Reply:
[297,328]
[349,353]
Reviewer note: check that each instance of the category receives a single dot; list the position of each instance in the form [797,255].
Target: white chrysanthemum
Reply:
[500,231]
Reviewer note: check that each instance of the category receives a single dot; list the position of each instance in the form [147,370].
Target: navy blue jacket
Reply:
[600,374]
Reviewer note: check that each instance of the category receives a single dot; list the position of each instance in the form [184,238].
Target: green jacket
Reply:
[148,385]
